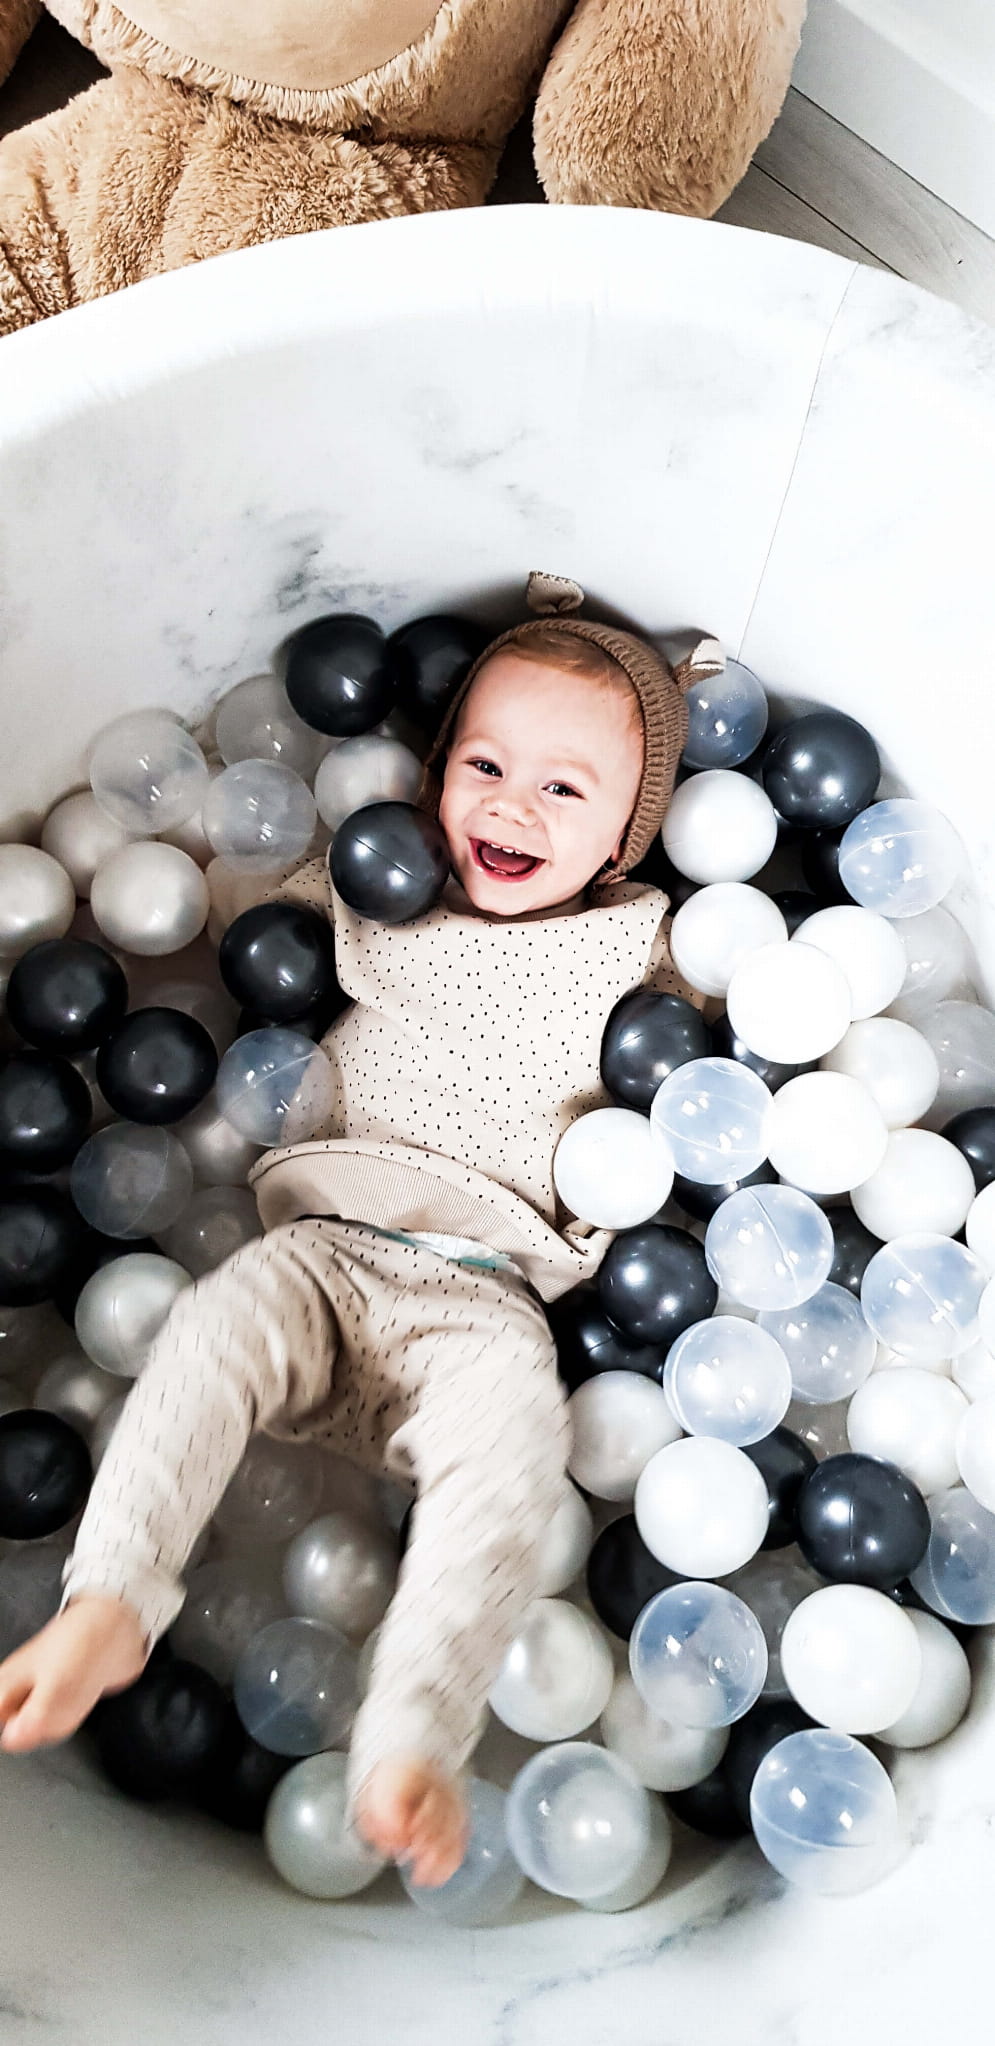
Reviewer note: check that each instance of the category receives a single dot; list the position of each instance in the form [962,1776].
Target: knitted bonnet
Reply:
[659,689]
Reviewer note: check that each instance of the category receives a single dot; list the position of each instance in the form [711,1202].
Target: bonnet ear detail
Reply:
[706,658]
[552,596]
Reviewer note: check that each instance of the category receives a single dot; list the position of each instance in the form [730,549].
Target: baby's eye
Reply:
[485,766]
[562,788]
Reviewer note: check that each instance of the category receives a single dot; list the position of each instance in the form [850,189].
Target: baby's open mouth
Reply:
[503,860]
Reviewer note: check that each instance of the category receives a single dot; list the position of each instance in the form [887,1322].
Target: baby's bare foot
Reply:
[411,1811]
[48,1686]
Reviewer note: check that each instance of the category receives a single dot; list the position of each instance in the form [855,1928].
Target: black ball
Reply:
[340,674]
[162,1736]
[657,868]
[701,1201]
[157,1065]
[784,1462]
[588,1343]
[279,960]
[820,770]
[646,1037]
[45,1474]
[237,1786]
[821,868]
[43,1244]
[654,1283]
[389,861]
[45,1112]
[855,1247]
[726,1045]
[432,656]
[312,1022]
[709,1807]
[861,1521]
[65,995]
[973,1133]
[622,1576]
[751,1740]
[796,906]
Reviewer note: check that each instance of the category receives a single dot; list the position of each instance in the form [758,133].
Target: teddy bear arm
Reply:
[17,19]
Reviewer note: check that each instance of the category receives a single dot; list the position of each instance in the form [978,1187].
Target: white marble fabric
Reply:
[707,428]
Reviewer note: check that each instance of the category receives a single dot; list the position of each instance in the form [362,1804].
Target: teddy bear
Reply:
[225,123]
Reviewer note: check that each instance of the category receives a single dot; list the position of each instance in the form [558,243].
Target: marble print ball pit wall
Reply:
[752,437]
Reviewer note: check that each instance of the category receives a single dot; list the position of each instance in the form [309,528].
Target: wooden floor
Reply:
[812,180]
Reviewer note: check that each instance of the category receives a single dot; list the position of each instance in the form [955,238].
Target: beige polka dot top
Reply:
[470,1047]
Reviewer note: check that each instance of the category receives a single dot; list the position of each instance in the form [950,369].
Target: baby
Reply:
[392,1309]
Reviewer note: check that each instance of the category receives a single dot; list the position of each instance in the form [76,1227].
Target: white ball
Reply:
[975,1450]
[367,769]
[123,1306]
[986,1316]
[790,1003]
[922,1182]
[557,1676]
[899,1069]
[37,899]
[909,1417]
[867,950]
[716,928]
[851,1658]
[943,1692]
[665,1756]
[150,898]
[979,1227]
[702,1507]
[619,1420]
[613,1168]
[79,834]
[565,1544]
[974,1372]
[825,1134]
[720,827]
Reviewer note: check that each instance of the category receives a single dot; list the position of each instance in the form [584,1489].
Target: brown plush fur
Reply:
[652,103]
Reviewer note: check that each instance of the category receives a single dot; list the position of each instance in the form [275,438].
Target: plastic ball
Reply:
[613,1168]
[295,1687]
[663,1753]
[922,1183]
[156,1066]
[45,1474]
[370,769]
[899,1069]
[279,959]
[66,996]
[159,1738]
[820,863]
[701,1507]
[974,1372]
[431,657]
[43,1243]
[827,1342]
[861,1521]
[275,1087]
[342,1570]
[619,1420]
[956,1577]
[726,1045]
[151,899]
[784,1462]
[900,857]
[973,1133]
[131,1181]
[653,1283]
[770,1247]
[79,834]
[565,1545]
[825,1133]
[390,861]
[712,1113]
[308,1838]
[979,1227]
[255,721]
[910,1418]
[217,1221]
[218,1153]
[147,772]
[557,1675]
[821,1429]
[37,899]
[122,1308]
[622,1576]
[719,827]
[851,1658]
[488,1881]
[867,950]
[751,1739]
[340,674]
[975,1450]
[204,1002]
[944,1690]
[819,770]
[772,1586]
[727,718]
[578,1820]
[259,816]
[242,1779]
[963,1038]
[823,1811]
[789,1002]
[228,1603]
[921,1295]
[78,1391]
[44,1112]
[708,1807]
[795,904]
[937,958]
[698,1656]
[717,928]
[587,1342]
[853,1249]
[646,1037]
[274,1493]
[702,1202]
[729,1379]
[646,1875]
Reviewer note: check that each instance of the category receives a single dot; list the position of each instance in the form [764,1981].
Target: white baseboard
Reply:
[864,62]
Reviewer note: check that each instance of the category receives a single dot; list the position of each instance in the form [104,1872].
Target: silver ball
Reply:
[75,1389]
[37,899]
[123,1306]
[216,1223]
[306,1836]
[150,898]
[103,1428]
[80,835]
[341,1570]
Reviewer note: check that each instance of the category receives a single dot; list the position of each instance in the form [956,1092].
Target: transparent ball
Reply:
[921,1294]
[822,1429]
[75,1389]
[255,721]
[79,835]
[148,772]
[131,1180]
[922,1183]
[824,1813]
[769,1246]
[307,1837]
[206,1001]
[612,1168]
[228,1603]
[851,1658]
[727,1378]
[556,1677]
[712,1113]
[698,1655]
[564,1545]
[825,1133]
[900,1071]
[900,857]
[772,1585]
[720,826]
[149,898]
[217,1221]
[956,1577]
[663,1753]
[295,1687]
[259,816]
[123,1306]
[619,1420]
[937,962]
[727,718]
[789,1003]
[273,1494]
[867,950]
[578,1821]
[341,1569]
[702,1507]
[488,1881]
[944,1690]
[367,769]
[963,1037]
[37,899]
[909,1417]
[717,927]
[647,1873]
[275,1087]
[828,1345]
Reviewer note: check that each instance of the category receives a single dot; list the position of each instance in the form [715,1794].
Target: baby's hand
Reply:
[48,1687]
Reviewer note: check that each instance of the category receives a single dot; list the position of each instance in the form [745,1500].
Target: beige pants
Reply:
[410,1365]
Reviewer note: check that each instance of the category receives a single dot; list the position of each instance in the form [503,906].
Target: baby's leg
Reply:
[254,1339]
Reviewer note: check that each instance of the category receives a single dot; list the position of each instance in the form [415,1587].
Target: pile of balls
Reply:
[782,1523]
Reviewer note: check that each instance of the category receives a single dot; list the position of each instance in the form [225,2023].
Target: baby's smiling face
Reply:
[541,779]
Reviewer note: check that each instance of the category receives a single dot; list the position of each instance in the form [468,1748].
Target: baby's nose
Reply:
[516,804]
